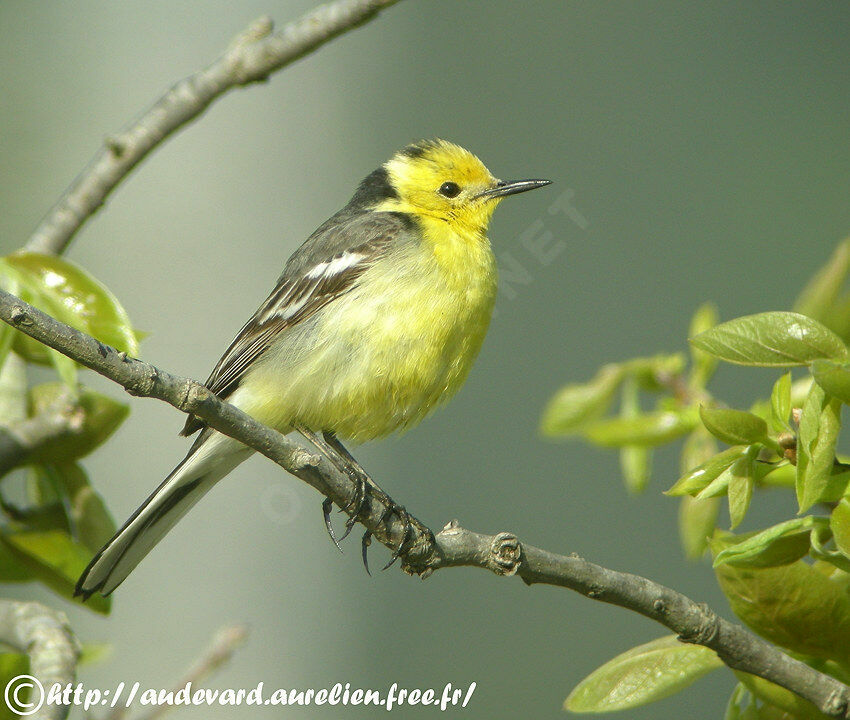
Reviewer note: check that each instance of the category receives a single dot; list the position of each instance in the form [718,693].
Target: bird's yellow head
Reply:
[436,180]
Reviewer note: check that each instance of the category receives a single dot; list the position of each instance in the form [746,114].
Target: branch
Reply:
[453,546]
[44,635]
[221,649]
[252,56]
[20,442]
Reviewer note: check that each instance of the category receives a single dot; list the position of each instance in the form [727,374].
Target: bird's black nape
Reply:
[374,188]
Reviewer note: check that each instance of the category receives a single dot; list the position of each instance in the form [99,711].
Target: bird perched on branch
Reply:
[374,322]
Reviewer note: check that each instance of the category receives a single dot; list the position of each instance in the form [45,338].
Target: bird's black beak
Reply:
[502,188]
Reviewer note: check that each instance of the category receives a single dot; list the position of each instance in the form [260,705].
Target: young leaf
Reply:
[91,520]
[703,364]
[13,665]
[816,440]
[740,705]
[635,460]
[697,519]
[839,523]
[701,476]
[833,377]
[652,428]
[789,605]
[817,300]
[642,675]
[780,403]
[772,339]
[779,697]
[740,489]
[55,559]
[781,544]
[734,427]
[99,417]
[575,405]
[95,308]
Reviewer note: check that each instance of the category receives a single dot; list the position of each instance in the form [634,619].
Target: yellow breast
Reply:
[393,348]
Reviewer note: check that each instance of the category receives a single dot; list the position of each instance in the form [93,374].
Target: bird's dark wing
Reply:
[321,270]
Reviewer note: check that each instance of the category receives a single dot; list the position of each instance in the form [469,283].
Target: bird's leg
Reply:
[346,464]
[392,507]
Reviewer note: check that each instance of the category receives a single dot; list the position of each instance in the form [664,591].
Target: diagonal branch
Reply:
[454,546]
[252,56]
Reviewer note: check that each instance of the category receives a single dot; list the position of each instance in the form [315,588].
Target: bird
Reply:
[375,321]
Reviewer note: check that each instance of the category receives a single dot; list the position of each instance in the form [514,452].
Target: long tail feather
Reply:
[211,458]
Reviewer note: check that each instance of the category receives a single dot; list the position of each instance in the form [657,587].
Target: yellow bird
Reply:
[375,321]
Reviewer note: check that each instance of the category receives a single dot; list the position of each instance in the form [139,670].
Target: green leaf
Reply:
[635,460]
[575,405]
[833,377]
[781,544]
[96,309]
[99,416]
[701,476]
[13,665]
[839,523]
[740,489]
[11,569]
[642,675]
[772,339]
[93,524]
[734,427]
[703,364]
[818,298]
[789,605]
[816,440]
[779,697]
[740,705]
[743,467]
[93,654]
[652,428]
[780,404]
[697,519]
[55,559]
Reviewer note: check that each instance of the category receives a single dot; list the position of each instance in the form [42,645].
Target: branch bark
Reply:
[21,441]
[453,546]
[45,636]
[253,55]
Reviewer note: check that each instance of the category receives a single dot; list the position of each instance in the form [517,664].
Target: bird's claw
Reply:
[404,516]
[364,547]
[327,506]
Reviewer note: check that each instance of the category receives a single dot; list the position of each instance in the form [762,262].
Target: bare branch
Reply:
[252,56]
[454,546]
[44,635]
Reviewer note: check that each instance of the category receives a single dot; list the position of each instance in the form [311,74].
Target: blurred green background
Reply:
[706,145]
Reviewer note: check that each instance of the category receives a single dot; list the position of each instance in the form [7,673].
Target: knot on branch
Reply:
[836,704]
[19,316]
[706,628]
[142,385]
[196,397]
[505,554]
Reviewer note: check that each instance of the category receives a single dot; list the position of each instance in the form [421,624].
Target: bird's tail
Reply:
[211,458]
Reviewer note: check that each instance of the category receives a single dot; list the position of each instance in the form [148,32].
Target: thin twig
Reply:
[221,649]
[253,55]
[454,546]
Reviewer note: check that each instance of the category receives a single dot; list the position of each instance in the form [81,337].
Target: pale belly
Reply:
[379,358]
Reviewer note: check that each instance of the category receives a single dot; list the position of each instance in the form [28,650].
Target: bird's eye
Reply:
[449,189]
